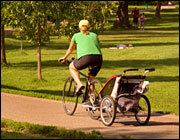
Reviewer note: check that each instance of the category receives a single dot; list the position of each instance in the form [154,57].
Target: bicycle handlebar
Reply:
[67,61]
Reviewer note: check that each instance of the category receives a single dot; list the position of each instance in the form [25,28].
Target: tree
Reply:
[3,54]
[158,9]
[122,19]
[4,20]
[31,18]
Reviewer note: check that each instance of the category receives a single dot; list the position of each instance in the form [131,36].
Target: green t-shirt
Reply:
[86,44]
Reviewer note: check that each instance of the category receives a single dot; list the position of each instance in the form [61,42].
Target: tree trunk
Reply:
[122,19]
[21,44]
[158,9]
[39,53]
[3,54]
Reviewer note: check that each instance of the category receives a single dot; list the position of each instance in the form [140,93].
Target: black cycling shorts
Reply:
[93,62]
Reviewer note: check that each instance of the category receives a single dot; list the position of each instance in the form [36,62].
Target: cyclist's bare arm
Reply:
[72,45]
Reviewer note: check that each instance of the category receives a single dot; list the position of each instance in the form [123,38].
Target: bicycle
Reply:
[127,96]
[70,99]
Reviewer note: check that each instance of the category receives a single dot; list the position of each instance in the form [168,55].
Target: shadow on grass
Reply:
[162,78]
[33,65]
[49,92]
[154,44]
[147,32]
[164,29]
[48,46]
[149,78]
[108,64]
[136,34]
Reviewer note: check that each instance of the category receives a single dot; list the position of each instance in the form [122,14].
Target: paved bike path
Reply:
[51,112]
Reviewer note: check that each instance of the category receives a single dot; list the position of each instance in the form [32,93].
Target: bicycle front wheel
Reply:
[70,99]
[144,111]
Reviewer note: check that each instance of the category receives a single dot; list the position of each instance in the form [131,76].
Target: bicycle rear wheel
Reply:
[108,110]
[144,111]
[70,99]
[94,113]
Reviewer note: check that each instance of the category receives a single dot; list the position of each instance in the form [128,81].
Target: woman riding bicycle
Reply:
[88,54]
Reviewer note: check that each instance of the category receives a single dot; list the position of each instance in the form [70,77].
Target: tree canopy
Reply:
[38,19]
[63,15]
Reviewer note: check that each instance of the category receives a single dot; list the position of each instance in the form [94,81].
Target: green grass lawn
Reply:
[16,135]
[24,130]
[157,46]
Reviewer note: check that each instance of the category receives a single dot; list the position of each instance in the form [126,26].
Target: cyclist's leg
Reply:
[75,74]
[76,65]
[93,71]
[91,78]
